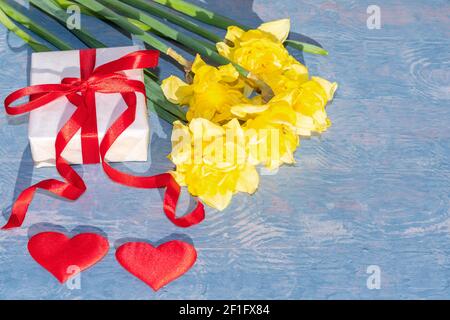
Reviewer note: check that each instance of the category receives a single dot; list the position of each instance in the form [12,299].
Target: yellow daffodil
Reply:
[262,52]
[271,130]
[212,93]
[230,131]
[212,161]
[309,101]
[305,106]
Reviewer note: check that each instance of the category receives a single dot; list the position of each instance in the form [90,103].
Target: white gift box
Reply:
[45,122]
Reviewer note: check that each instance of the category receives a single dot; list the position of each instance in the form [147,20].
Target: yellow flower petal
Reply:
[330,88]
[304,125]
[243,110]
[179,177]
[234,33]
[218,201]
[278,28]
[203,129]
[223,49]
[198,63]
[176,90]
[219,166]
[296,71]
[181,144]
[248,180]
[228,73]
[212,92]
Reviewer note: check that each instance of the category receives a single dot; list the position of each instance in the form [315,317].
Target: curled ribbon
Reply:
[106,78]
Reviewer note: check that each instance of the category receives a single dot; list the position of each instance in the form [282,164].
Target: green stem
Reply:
[151,8]
[126,24]
[138,23]
[155,93]
[65,4]
[33,26]
[52,9]
[82,34]
[217,20]
[200,13]
[122,22]
[205,49]
[11,26]
[162,113]
[161,105]
[306,47]
[198,46]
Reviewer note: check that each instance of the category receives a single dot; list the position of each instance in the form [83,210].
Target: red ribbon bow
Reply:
[106,78]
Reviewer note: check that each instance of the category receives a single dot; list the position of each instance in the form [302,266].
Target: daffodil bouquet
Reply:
[244,102]
[232,128]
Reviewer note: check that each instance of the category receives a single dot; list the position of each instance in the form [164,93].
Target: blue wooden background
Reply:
[373,190]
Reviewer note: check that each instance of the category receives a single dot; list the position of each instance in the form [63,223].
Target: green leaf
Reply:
[11,26]
[204,48]
[150,7]
[200,13]
[220,21]
[166,110]
[155,93]
[122,22]
[162,113]
[33,26]
[306,47]
[53,10]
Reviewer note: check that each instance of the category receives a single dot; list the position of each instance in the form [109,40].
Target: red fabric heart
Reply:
[157,266]
[56,252]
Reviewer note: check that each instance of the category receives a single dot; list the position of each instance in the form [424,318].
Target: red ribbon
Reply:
[107,78]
